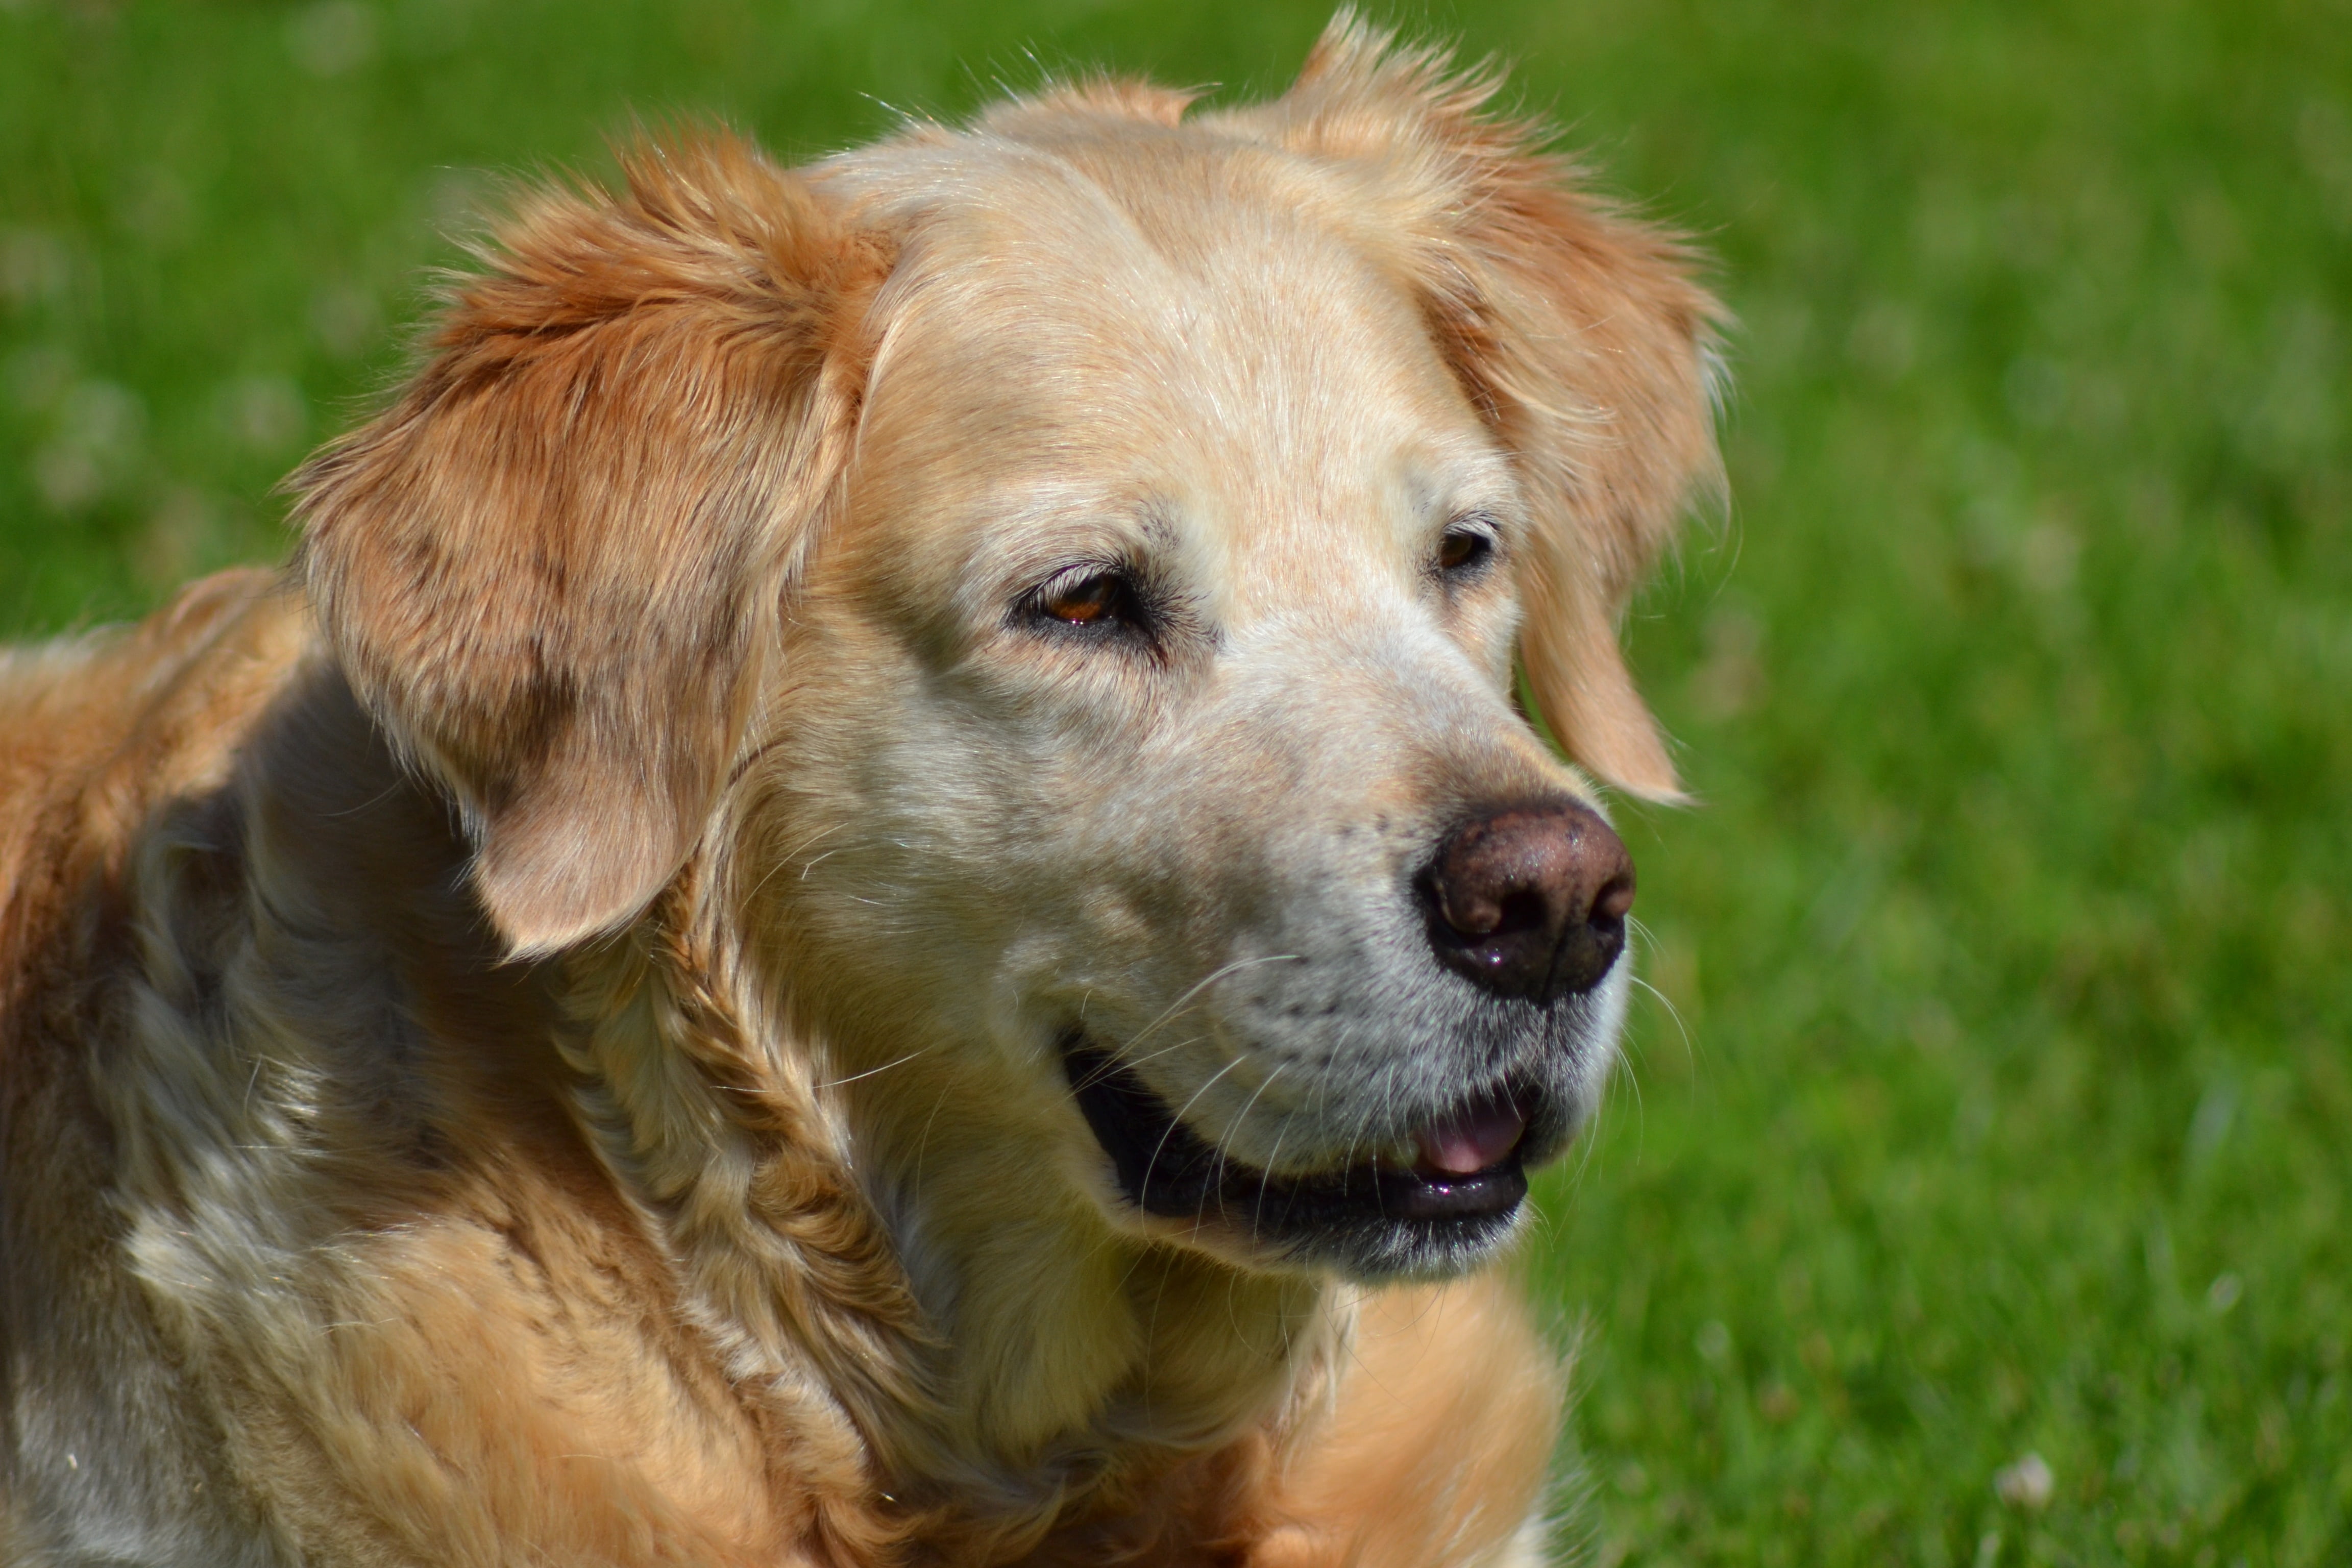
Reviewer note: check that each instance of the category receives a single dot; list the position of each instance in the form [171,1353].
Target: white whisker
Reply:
[786,859]
[869,1072]
[1203,985]
[1690,1050]
[1177,1120]
[1265,1172]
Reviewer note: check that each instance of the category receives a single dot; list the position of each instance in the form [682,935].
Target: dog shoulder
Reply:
[114,719]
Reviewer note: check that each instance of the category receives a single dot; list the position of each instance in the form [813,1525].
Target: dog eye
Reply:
[1088,598]
[1462,550]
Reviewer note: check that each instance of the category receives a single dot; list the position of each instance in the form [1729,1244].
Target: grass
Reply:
[2005,1102]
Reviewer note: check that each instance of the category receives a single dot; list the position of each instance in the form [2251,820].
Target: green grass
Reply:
[2010,1102]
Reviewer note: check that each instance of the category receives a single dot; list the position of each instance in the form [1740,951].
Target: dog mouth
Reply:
[1455,1196]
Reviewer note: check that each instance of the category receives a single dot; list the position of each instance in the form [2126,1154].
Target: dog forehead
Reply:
[1153,323]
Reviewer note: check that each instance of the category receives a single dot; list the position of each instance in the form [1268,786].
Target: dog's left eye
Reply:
[1464,550]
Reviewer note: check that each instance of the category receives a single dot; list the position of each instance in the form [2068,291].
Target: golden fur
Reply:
[521,1042]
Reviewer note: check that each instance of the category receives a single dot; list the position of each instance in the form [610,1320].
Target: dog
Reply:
[883,888]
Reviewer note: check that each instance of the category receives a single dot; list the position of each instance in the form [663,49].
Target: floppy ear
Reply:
[1579,333]
[551,570]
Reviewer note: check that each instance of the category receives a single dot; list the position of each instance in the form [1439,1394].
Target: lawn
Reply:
[1997,1096]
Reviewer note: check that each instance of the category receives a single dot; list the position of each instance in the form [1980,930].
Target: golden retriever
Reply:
[878,894]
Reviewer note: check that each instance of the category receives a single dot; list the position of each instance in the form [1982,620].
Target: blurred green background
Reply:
[1997,1101]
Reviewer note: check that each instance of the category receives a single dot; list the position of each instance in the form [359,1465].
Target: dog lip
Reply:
[1164,1168]
[1480,1195]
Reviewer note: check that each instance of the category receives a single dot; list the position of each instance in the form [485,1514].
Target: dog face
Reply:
[1173,687]
[1070,573]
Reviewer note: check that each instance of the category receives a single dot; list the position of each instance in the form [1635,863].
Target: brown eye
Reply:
[1084,601]
[1462,548]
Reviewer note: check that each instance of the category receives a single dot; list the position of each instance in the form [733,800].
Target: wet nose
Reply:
[1530,901]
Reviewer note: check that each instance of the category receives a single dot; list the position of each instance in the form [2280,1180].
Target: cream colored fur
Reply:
[535,1037]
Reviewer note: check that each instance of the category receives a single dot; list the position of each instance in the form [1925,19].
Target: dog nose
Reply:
[1530,901]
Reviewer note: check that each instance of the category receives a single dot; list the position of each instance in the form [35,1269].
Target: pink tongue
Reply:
[1471,1139]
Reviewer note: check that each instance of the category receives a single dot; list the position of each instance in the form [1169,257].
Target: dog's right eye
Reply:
[1088,598]
[1085,601]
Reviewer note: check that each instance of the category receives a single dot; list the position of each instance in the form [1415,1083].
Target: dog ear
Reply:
[553,569]
[1579,333]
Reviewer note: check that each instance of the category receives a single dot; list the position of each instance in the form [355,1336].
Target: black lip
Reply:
[1377,1217]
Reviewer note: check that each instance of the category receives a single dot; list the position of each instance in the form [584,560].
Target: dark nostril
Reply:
[1530,901]
[1521,910]
[1616,899]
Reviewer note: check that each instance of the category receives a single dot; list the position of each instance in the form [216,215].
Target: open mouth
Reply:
[1457,1195]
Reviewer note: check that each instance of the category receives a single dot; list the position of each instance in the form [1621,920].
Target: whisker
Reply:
[1649,940]
[1113,1064]
[1177,1120]
[1266,1173]
[869,1072]
[1233,1124]
[374,800]
[1203,985]
[786,859]
[1690,1051]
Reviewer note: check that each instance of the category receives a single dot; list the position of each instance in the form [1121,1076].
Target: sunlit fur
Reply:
[535,1037]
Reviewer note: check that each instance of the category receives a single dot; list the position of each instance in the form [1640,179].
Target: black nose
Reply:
[1530,901]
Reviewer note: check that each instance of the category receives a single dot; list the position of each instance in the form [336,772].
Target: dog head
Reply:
[1067,576]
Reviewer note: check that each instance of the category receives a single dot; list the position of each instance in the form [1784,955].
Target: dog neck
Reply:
[987,1332]
[1071,1340]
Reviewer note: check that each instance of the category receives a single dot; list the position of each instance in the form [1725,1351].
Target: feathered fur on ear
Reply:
[1578,332]
[552,569]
